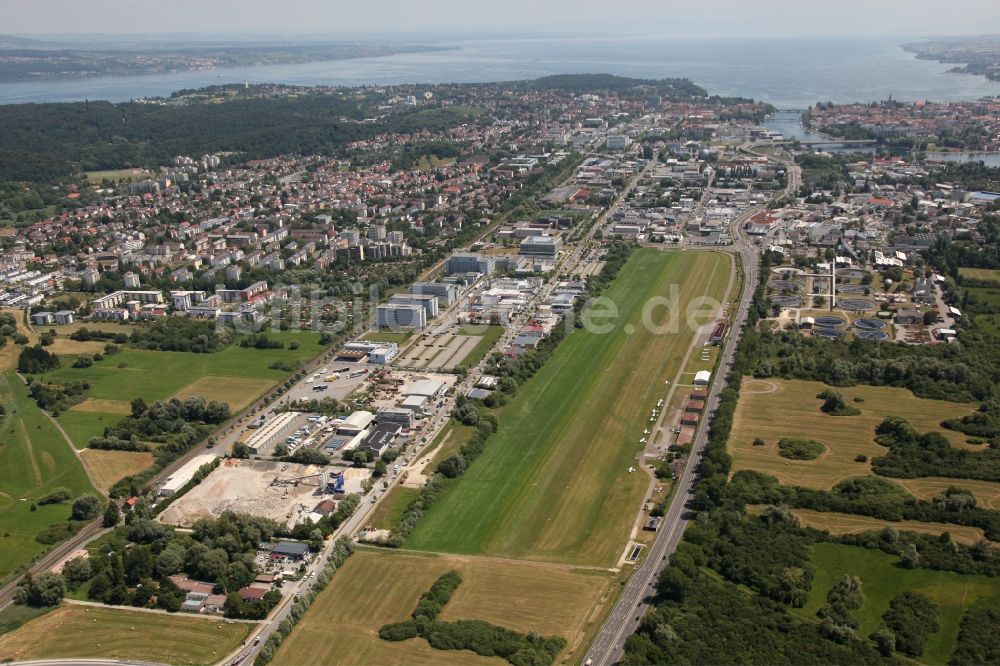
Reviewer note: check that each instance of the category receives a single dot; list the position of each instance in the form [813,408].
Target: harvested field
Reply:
[107,467]
[791,409]
[238,392]
[987,493]
[845,523]
[111,633]
[377,587]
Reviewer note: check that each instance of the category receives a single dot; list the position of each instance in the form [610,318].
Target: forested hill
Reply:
[42,142]
[670,88]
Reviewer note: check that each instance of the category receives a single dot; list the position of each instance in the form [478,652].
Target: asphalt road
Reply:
[608,646]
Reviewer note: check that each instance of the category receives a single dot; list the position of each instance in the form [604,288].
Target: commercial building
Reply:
[541,246]
[355,423]
[270,430]
[398,315]
[380,353]
[402,417]
[446,293]
[463,262]
[292,550]
[429,302]
[430,388]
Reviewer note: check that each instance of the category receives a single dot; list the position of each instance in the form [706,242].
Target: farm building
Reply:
[702,377]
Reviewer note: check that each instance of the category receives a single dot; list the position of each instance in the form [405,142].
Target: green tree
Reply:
[86,507]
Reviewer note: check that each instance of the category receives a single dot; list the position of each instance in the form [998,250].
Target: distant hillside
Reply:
[12,42]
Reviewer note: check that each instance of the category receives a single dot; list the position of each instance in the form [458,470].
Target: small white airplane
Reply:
[642,441]
[631,469]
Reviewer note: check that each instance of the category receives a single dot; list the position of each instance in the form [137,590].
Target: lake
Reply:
[789,73]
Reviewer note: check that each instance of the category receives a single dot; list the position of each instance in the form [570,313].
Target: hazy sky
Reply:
[674,18]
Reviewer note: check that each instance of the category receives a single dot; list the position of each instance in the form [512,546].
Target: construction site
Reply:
[285,492]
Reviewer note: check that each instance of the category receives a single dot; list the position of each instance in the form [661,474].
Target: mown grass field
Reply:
[553,483]
[387,514]
[981,273]
[989,296]
[882,579]
[110,633]
[34,459]
[845,523]
[107,467]
[777,408]
[236,375]
[399,337]
[487,339]
[114,175]
[377,587]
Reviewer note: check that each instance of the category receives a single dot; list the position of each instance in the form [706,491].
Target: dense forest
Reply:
[45,142]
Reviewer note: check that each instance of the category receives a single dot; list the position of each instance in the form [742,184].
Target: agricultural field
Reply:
[107,467]
[236,375]
[34,460]
[882,579]
[774,408]
[845,523]
[989,274]
[377,587]
[987,493]
[111,633]
[553,484]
